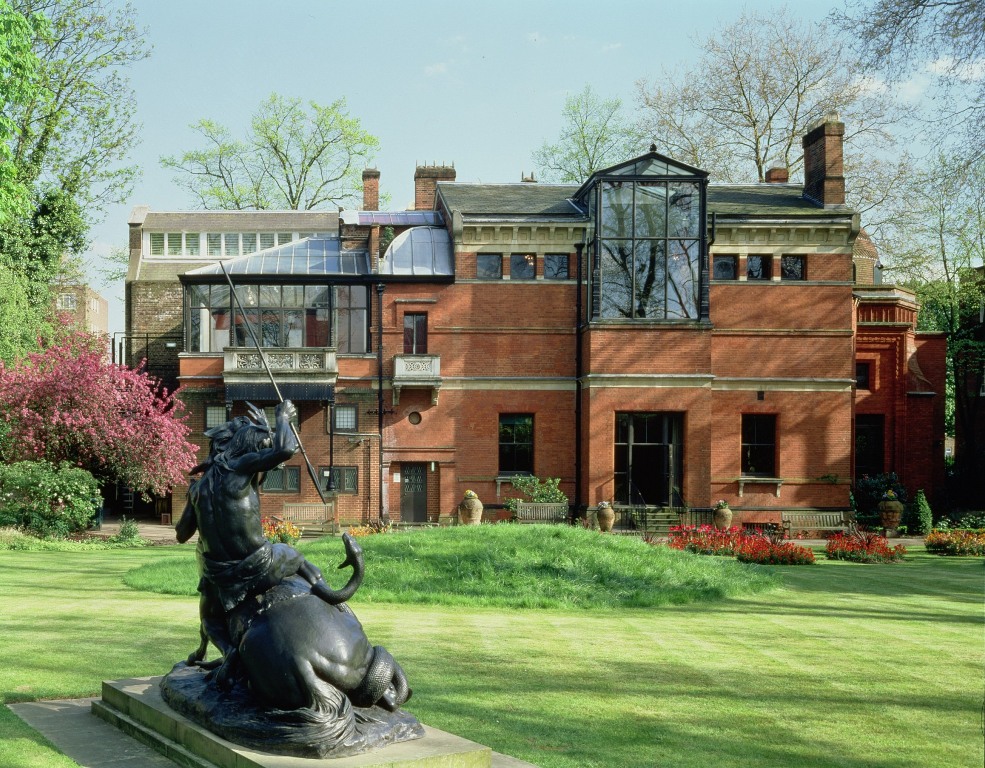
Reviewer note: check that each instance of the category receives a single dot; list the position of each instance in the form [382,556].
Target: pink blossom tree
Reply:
[68,403]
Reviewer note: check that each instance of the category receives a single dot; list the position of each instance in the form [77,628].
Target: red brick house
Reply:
[649,338]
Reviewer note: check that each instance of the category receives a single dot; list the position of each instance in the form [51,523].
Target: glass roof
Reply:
[308,256]
[422,251]
[393,218]
[647,166]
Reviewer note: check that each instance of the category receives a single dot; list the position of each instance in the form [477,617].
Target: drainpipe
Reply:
[579,248]
[384,517]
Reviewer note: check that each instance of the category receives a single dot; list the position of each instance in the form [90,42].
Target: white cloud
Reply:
[872,84]
[433,70]
[968,71]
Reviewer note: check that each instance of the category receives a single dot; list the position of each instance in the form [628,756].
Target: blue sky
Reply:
[480,85]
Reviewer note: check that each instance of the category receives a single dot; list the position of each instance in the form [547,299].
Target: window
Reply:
[793,268]
[283,480]
[649,451]
[249,242]
[725,267]
[214,242]
[67,302]
[415,333]
[156,243]
[346,418]
[346,478]
[271,413]
[759,268]
[869,444]
[522,266]
[862,372]
[759,444]
[489,266]
[283,238]
[267,240]
[174,244]
[516,444]
[231,243]
[649,258]
[215,415]
[556,266]
[193,243]
[352,315]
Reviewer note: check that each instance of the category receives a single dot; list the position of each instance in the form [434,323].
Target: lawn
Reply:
[864,666]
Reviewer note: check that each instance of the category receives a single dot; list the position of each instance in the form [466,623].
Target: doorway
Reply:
[413,492]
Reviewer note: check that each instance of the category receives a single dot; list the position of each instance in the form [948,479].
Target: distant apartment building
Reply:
[648,337]
[87,309]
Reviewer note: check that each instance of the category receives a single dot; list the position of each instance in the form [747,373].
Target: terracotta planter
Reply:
[470,511]
[723,518]
[890,513]
[606,517]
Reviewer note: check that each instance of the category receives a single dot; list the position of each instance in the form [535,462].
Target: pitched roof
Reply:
[764,200]
[523,199]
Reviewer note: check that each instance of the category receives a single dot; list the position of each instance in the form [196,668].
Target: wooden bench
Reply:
[814,521]
[312,518]
[528,512]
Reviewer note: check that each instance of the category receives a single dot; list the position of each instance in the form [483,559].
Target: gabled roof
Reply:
[523,199]
[299,258]
[651,164]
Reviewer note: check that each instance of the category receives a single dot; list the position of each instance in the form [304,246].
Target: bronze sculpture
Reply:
[296,673]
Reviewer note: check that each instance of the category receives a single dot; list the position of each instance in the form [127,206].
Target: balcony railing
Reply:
[302,373]
[421,371]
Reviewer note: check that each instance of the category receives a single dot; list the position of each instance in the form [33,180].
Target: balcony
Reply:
[420,371]
[301,373]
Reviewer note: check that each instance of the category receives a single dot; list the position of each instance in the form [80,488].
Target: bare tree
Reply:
[291,158]
[594,135]
[942,37]
[747,100]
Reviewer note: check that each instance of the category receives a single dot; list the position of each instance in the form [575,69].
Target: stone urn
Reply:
[723,517]
[606,516]
[470,510]
[890,511]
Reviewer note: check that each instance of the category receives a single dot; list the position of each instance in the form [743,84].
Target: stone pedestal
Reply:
[135,706]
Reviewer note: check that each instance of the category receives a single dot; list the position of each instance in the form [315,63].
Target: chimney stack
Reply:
[777,175]
[426,179]
[824,169]
[371,189]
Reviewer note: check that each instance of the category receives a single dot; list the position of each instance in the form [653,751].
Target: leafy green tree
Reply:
[594,135]
[935,244]
[293,157]
[18,86]
[745,102]
[50,500]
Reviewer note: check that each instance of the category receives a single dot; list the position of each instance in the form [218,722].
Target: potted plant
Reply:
[723,515]
[890,509]
[606,516]
[470,510]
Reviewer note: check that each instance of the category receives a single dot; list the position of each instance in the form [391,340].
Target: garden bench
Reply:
[528,512]
[312,518]
[814,521]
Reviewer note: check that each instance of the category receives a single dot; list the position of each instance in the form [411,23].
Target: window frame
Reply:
[339,409]
[488,257]
[722,259]
[214,412]
[514,468]
[286,472]
[558,258]
[756,422]
[349,476]
[526,262]
[417,342]
[788,257]
[867,379]
[765,260]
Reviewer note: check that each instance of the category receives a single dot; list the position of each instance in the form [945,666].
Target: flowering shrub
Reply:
[372,527]
[764,550]
[863,547]
[281,531]
[705,539]
[48,500]
[956,542]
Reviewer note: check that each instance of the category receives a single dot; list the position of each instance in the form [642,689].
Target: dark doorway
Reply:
[413,493]
[649,450]
[869,445]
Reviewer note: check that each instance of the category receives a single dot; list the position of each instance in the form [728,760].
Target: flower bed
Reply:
[705,539]
[748,547]
[863,547]
[763,550]
[280,531]
[956,542]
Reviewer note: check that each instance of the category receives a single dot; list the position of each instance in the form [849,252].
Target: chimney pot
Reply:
[824,169]
[777,175]
[426,179]
[371,189]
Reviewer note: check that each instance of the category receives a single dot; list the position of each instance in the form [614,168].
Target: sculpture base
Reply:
[136,707]
[235,715]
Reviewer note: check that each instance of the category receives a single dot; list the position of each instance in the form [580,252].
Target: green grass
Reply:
[509,566]
[849,665]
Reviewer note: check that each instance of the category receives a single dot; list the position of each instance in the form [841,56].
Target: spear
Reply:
[280,398]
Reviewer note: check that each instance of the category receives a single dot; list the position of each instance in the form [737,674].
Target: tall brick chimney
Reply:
[777,175]
[371,189]
[824,168]
[426,179]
